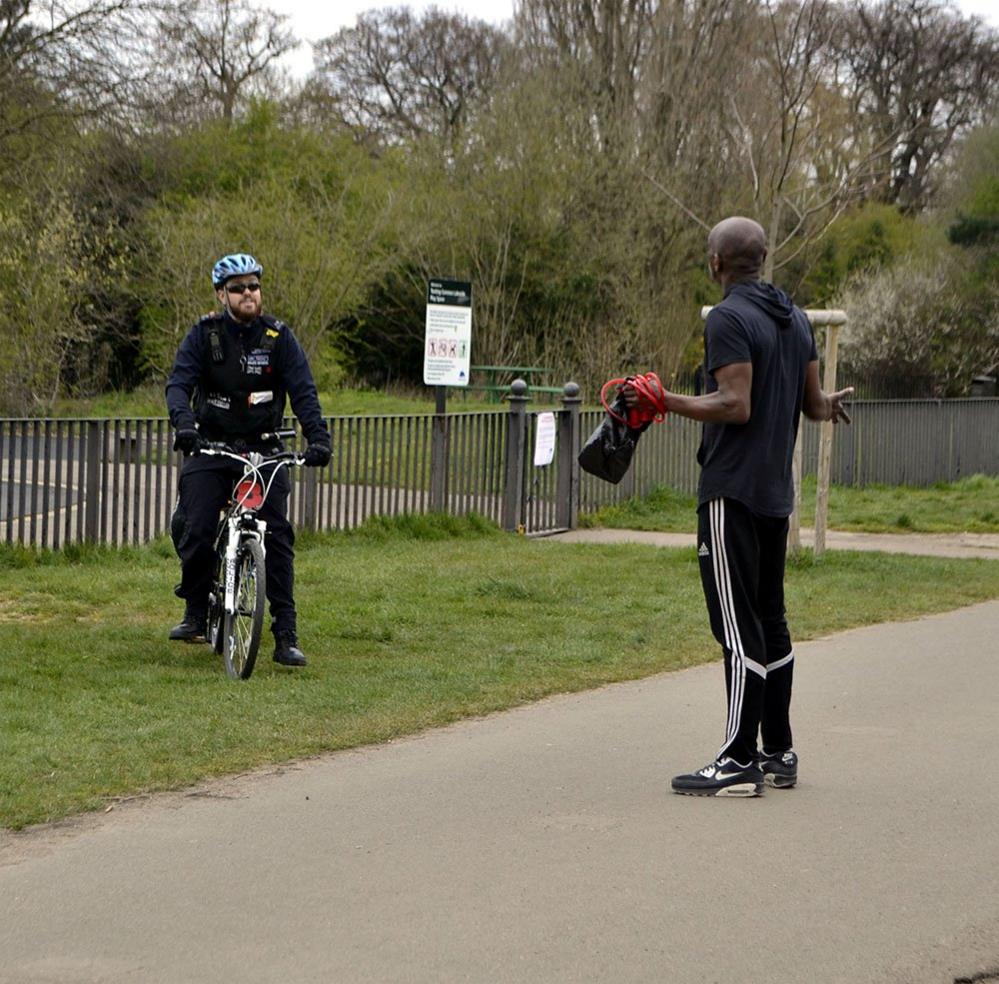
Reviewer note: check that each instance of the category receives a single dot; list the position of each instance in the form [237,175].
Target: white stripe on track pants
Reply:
[741,557]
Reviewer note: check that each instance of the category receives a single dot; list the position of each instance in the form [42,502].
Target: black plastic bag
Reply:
[608,452]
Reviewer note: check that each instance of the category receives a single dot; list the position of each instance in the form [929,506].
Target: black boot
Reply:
[191,629]
[286,651]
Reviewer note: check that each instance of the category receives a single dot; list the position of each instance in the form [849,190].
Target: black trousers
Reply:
[205,487]
[741,557]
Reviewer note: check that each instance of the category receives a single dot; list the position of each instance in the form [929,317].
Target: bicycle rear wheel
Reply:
[242,628]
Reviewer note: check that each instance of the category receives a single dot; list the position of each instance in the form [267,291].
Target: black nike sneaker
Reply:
[780,769]
[724,777]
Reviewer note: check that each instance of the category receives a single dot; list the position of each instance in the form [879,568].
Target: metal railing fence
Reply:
[69,481]
[115,481]
[912,442]
[889,442]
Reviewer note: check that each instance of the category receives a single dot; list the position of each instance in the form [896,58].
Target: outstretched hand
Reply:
[837,411]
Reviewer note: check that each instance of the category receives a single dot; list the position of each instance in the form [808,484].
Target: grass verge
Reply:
[970,505]
[148,401]
[408,624]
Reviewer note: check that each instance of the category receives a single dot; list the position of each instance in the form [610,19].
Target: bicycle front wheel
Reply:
[242,628]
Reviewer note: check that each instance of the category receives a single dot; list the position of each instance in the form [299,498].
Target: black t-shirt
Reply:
[751,462]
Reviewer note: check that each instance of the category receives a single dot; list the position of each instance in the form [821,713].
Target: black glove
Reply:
[317,455]
[187,440]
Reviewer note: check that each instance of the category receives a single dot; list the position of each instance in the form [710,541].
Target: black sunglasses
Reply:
[241,288]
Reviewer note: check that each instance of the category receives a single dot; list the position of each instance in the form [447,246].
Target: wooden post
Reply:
[794,520]
[832,320]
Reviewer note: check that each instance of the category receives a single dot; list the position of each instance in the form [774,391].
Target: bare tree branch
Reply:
[397,76]
[211,56]
[676,201]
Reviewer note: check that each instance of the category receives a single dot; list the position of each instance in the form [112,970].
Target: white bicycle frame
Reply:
[252,463]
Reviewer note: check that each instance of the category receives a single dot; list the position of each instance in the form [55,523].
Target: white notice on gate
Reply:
[544,440]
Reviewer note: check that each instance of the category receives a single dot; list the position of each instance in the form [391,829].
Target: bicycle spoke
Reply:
[243,626]
[242,623]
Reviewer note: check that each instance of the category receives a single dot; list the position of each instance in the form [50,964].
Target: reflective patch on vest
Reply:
[256,363]
[270,336]
[219,400]
[264,396]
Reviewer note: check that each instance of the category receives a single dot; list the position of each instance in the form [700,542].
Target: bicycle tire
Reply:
[216,612]
[215,620]
[242,629]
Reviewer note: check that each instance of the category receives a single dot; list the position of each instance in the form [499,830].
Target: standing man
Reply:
[238,367]
[762,372]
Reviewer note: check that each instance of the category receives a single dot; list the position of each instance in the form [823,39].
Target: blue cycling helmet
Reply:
[235,265]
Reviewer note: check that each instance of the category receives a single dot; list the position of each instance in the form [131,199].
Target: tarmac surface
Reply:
[543,844]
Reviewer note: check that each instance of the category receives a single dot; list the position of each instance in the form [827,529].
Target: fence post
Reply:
[567,502]
[516,436]
[91,516]
[439,448]
[310,513]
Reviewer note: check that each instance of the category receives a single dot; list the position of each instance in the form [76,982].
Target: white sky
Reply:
[311,21]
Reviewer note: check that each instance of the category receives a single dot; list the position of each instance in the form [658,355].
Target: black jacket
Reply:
[238,378]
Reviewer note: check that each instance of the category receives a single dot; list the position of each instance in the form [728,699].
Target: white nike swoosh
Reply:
[728,775]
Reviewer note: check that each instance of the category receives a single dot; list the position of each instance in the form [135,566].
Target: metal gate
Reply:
[542,496]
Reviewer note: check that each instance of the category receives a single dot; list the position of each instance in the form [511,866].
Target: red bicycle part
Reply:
[249,494]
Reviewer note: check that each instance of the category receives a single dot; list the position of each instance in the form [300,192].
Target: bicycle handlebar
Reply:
[253,463]
[219,448]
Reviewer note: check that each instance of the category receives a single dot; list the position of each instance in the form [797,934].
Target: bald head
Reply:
[740,246]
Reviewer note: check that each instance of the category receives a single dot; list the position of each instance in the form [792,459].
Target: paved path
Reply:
[542,845]
[932,544]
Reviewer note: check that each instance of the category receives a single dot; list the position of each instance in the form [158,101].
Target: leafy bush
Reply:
[921,322]
[314,209]
[44,270]
[861,242]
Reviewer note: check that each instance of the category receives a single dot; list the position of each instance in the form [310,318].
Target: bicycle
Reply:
[238,592]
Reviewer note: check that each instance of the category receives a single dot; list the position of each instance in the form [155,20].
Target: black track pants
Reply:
[742,571]
[205,487]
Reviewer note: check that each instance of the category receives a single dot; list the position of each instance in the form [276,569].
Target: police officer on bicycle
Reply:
[238,367]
